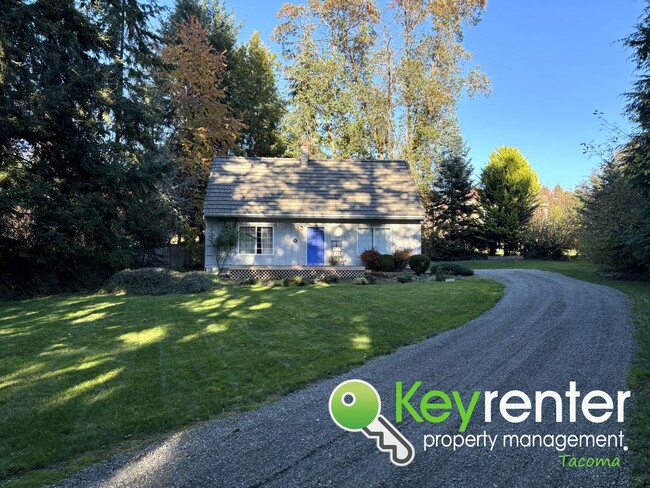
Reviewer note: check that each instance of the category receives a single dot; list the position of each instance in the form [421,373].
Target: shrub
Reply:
[196,282]
[370,278]
[401,257]
[452,269]
[159,281]
[299,281]
[387,262]
[360,281]
[548,240]
[296,281]
[330,278]
[441,275]
[371,259]
[405,278]
[419,263]
[445,249]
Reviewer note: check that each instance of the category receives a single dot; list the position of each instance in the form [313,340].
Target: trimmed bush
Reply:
[401,257]
[419,263]
[360,281]
[159,281]
[451,269]
[371,259]
[405,278]
[387,262]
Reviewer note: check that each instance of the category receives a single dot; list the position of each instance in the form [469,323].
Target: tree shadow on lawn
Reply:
[84,374]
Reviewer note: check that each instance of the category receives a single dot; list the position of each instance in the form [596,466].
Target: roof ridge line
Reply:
[319,160]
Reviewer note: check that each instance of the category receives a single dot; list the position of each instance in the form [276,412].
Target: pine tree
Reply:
[609,221]
[56,210]
[131,60]
[637,151]
[453,209]
[134,119]
[64,189]
[507,193]
[182,12]
[248,80]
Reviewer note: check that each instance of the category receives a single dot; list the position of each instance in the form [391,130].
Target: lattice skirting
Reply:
[245,273]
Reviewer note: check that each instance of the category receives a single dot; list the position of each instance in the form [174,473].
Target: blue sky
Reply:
[552,63]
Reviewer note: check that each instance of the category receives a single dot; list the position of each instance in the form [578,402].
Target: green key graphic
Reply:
[355,406]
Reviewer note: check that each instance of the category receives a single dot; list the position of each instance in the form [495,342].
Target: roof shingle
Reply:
[269,187]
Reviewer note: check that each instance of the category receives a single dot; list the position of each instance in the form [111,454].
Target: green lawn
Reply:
[84,376]
[639,377]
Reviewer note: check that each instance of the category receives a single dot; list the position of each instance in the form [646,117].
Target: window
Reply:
[255,239]
[337,252]
[374,238]
[381,240]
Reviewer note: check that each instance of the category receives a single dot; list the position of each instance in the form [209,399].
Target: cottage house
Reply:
[310,217]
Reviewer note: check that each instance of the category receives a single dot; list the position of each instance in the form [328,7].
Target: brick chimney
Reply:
[304,153]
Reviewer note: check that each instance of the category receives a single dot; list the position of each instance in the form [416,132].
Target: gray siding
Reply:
[286,252]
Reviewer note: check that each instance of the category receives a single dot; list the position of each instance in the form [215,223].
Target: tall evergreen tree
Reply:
[256,100]
[183,11]
[63,193]
[135,123]
[131,59]
[249,79]
[637,151]
[508,196]
[452,209]
[609,222]
[55,207]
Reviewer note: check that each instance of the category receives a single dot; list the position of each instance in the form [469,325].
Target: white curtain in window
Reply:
[364,239]
[382,240]
[265,240]
[247,240]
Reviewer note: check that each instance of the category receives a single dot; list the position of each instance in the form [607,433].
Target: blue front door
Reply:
[315,246]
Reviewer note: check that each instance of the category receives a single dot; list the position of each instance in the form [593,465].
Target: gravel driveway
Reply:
[547,330]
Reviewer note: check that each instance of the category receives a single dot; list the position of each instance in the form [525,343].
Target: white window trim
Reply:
[255,226]
[372,237]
